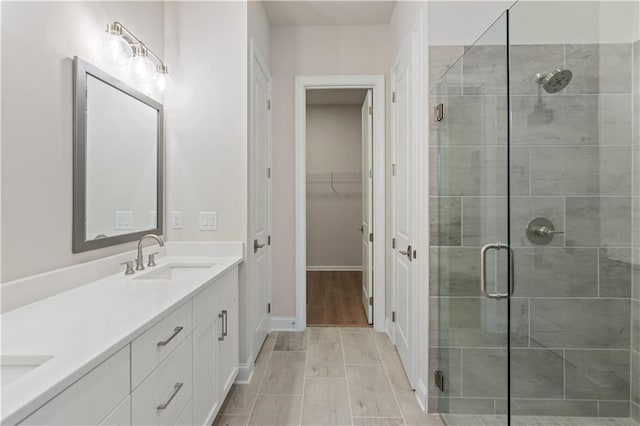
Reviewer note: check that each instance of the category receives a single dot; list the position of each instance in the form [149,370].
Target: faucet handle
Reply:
[152,259]
[129,270]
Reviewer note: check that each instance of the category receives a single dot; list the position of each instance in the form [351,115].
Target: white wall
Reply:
[39,40]
[307,50]
[334,143]
[259,29]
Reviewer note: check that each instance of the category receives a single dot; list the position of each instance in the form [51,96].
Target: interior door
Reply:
[260,247]
[367,201]
[404,205]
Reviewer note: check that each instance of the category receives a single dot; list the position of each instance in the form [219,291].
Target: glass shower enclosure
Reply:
[535,220]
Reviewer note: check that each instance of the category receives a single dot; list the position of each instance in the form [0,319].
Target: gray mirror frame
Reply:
[81,69]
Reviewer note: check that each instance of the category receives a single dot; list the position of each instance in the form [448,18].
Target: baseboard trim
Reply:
[421,395]
[245,372]
[334,268]
[283,324]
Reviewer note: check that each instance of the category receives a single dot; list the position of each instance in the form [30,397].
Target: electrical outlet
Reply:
[124,220]
[176,220]
[208,221]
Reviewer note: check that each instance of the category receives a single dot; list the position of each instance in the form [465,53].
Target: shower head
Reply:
[554,81]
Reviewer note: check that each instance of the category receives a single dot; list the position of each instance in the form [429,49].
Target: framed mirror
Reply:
[118,161]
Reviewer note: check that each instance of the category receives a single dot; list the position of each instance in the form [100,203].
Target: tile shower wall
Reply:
[635,301]
[571,162]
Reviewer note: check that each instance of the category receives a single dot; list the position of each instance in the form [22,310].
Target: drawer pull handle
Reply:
[221,316]
[175,333]
[226,323]
[176,389]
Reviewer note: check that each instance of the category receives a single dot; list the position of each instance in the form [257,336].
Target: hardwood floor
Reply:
[334,298]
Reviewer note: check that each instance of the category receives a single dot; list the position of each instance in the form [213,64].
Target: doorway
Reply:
[338,151]
[338,256]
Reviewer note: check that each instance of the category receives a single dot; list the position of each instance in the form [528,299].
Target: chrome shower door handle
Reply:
[483,271]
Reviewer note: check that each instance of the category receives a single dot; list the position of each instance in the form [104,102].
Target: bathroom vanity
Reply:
[157,347]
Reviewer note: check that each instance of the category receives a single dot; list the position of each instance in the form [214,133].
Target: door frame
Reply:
[377,84]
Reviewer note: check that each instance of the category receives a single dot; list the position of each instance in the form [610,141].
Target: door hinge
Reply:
[393,243]
[393,316]
[269,104]
[371,236]
[415,253]
[438,379]
[393,97]
[371,300]
[269,307]
[439,112]
[370,109]
[268,172]
[370,173]
[269,240]
[393,169]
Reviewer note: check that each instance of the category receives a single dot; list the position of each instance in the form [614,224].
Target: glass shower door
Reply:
[469,188]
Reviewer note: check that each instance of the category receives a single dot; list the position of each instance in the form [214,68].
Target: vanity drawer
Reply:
[149,349]
[206,300]
[89,400]
[162,397]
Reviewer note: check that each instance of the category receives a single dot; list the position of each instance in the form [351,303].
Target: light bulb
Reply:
[142,70]
[164,82]
[114,50]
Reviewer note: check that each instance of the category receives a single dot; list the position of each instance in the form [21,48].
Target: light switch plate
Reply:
[208,221]
[124,220]
[176,220]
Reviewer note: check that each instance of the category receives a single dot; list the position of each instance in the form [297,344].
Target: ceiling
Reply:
[323,12]
[336,96]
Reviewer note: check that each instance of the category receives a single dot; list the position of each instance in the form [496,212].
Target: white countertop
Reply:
[82,327]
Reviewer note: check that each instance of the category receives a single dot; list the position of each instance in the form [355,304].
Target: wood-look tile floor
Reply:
[334,298]
[325,376]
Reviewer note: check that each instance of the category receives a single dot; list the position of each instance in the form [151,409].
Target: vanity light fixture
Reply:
[120,48]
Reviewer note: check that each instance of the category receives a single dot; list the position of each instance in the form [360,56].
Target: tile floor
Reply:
[345,376]
[325,376]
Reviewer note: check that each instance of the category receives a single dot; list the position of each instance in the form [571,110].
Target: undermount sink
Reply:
[12,367]
[175,271]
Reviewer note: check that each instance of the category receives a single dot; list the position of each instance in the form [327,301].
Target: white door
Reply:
[367,201]
[403,205]
[260,198]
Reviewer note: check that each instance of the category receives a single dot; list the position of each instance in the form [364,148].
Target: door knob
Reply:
[257,245]
[407,252]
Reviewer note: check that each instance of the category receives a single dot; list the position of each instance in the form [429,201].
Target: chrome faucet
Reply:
[139,259]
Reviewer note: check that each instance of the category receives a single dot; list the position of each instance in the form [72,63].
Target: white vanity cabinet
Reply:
[215,347]
[177,372]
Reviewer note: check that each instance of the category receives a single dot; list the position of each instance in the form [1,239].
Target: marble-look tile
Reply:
[325,402]
[470,120]
[614,272]
[581,171]
[613,408]
[597,374]
[240,398]
[414,416]
[292,341]
[635,326]
[445,221]
[465,405]
[449,361]
[636,66]
[383,343]
[636,122]
[635,276]
[378,421]
[476,171]
[226,420]
[484,69]
[267,347]
[580,323]
[556,272]
[359,348]
[445,59]
[370,392]
[281,410]
[455,271]
[635,377]
[324,334]
[397,375]
[477,322]
[598,222]
[528,60]
[285,373]
[483,220]
[635,412]
[599,68]
[325,360]
[554,407]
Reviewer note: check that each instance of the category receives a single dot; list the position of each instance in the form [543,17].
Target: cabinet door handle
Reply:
[221,316]
[226,323]
[175,333]
[176,389]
